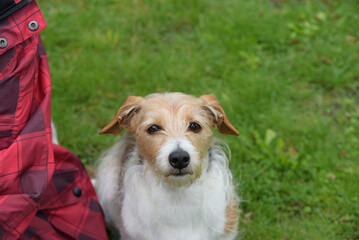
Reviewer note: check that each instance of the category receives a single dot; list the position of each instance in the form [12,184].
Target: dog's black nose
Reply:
[179,159]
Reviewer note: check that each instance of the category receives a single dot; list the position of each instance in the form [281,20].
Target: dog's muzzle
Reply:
[178,158]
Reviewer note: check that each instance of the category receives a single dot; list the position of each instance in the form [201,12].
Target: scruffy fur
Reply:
[143,196]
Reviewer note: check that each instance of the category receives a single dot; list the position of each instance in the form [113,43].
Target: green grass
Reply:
[286,72]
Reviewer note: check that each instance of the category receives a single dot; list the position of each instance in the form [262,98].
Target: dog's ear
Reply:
[123,116]
[214,108]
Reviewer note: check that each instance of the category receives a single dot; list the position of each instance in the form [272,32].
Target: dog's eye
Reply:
[194,127]
[153,129]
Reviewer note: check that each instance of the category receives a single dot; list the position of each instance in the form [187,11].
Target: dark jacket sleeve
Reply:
[7,7]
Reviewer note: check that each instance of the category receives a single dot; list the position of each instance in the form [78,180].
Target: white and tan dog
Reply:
[167,179]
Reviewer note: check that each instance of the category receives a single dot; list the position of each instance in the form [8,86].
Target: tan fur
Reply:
[232,217]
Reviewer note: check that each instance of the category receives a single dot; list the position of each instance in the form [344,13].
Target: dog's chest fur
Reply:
[156,211]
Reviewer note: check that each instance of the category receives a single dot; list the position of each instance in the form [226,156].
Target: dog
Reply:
[168,179]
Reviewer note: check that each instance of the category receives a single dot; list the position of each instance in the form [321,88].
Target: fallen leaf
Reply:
[326,60]
[351,38]
[292,151]
[331,176]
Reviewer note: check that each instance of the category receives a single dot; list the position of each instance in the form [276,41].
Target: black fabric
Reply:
[7,7]
[6,4]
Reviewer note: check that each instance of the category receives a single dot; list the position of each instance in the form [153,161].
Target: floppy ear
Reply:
[123,116]
[220,119]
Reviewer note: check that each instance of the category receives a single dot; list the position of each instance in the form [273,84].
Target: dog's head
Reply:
[172,131]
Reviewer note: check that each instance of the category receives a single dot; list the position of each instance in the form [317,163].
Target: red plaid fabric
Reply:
[45,192]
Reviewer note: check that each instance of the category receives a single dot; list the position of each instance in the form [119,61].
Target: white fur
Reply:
[55,140]
[144,208]
[108,180]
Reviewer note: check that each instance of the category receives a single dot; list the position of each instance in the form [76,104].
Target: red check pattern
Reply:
[45,192]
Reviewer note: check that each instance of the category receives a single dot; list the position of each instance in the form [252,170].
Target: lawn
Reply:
[285,71]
